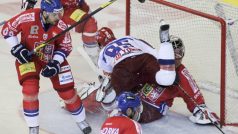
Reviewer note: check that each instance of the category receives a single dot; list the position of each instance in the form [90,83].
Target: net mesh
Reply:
[202,39]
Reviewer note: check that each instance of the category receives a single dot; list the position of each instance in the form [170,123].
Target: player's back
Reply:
[120,125]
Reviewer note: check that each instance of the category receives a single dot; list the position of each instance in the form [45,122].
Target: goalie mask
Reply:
[104,36]
[178,46]
[130,105]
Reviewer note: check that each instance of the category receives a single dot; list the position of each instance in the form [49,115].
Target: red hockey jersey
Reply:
[120,125]
[29,24]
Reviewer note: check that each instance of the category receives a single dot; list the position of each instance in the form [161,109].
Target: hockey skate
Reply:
[34,130]
[164,31]
[84,127]
[202,115]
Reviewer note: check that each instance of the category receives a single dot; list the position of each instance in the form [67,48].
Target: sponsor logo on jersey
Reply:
[61,25]
[34,29]
[33,37]
[28,17]
[5,31]
[77,15]
[45,36]
[107,130]
[65,78]
[27,68]
[190,79]
[152,93]
[65,68]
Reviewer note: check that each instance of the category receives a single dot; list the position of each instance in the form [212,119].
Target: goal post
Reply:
[210,44]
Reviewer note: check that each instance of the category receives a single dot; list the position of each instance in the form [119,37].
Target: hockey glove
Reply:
[51,69]
[28,4]
[141,1]
[21,53]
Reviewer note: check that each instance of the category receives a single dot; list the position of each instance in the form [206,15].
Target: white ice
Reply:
[53,119]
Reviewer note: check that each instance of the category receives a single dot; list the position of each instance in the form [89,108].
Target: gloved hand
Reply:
[28,4]
[141,1]
[51,69]
[21,53]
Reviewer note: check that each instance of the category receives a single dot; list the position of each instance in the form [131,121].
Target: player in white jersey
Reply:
[131,64]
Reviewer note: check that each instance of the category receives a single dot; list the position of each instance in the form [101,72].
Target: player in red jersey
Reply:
[125,116]
[35,27]
[75,10]
[129,74]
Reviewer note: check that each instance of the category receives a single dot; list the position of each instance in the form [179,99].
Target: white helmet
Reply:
[178,46]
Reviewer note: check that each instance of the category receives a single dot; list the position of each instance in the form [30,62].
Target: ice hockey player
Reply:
[125,116]
[75,10]
[35,27]
[119,60]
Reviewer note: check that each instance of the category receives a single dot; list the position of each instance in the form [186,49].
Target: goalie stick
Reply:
[72,26]
[196,104]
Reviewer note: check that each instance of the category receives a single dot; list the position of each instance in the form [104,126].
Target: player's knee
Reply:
[69,96]
[30,89]
[89,31]
[165,78]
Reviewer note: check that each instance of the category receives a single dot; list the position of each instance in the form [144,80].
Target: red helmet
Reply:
[104,36]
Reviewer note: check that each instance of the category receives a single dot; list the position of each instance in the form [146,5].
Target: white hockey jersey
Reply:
[120,49]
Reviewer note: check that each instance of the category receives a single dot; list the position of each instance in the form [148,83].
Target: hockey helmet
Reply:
[104,36]
[51,6]
[178,46]
[128,100]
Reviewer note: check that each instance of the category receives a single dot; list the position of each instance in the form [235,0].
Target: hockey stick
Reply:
[196,104]
[72,26]
[229,40]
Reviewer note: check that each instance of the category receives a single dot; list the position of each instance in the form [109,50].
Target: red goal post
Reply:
[210,44]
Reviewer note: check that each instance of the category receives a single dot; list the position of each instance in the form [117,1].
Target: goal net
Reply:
[210,44]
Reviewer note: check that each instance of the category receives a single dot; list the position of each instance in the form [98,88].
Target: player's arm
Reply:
[63,44]
[63,48]
[10,31]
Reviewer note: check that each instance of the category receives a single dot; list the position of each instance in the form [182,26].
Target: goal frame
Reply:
[223,47]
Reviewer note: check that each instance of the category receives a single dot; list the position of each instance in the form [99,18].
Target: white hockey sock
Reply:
[166,52]
[32,121]
[79,115]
